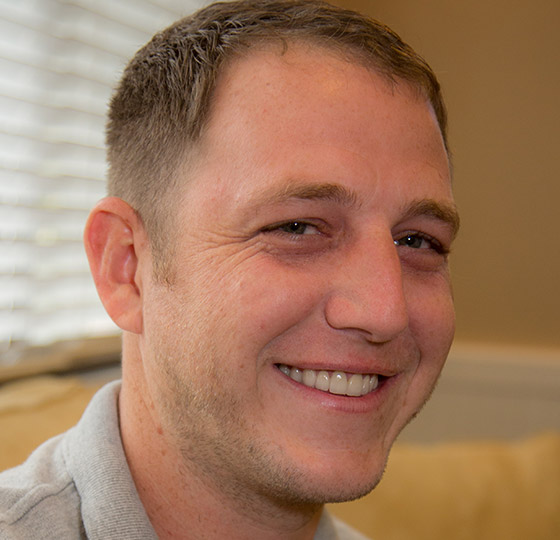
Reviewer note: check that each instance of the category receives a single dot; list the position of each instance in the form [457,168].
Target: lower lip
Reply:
[340,403]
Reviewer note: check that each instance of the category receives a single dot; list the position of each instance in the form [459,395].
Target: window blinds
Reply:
[59,60]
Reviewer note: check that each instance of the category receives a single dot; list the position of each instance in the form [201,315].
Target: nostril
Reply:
[379,321]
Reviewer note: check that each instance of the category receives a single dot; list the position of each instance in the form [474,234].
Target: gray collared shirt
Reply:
[78,485]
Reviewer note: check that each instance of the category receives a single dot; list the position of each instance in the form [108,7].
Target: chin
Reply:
[318,495]
[330,483]
[350,493]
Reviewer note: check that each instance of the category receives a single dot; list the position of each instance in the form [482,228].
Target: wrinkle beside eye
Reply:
[227,247]
[218,239]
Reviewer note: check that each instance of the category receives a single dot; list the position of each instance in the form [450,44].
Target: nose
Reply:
[367,293]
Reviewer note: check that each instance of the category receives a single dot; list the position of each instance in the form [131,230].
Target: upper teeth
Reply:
[335,382]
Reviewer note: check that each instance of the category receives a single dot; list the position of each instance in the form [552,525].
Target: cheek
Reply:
[432,317]
[272,300]
[431,326]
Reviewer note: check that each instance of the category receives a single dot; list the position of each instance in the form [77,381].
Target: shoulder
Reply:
[331,528]
[345,532]
[38,499]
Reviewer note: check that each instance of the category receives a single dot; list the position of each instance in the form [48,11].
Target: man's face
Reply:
[310,248]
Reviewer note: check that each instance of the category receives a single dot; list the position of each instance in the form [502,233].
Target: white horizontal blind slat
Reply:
[59,60]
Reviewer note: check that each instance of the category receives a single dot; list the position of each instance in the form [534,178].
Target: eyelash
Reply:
[282,228]
[434,244]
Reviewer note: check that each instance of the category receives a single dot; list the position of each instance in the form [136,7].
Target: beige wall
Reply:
[499,64]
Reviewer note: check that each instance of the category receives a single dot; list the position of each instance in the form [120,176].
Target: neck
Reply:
[184,503]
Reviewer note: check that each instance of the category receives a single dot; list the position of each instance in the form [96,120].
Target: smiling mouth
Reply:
[333,382]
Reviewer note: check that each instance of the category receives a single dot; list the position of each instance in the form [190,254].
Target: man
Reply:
[274,248]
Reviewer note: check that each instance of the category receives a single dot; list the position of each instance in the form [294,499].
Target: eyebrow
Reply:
[434,209]
[339,194]
[324,192]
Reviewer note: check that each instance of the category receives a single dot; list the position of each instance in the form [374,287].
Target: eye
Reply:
[295,228]
[420,241]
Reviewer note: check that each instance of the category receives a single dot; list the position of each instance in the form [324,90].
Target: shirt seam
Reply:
[20,513]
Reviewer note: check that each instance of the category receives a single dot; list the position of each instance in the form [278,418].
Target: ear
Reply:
[116,246]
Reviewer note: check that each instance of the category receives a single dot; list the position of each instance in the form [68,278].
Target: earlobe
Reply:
[115,244]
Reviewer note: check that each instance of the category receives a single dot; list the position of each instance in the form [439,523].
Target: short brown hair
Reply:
[163,101]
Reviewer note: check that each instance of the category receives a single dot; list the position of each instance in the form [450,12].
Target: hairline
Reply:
[194,148]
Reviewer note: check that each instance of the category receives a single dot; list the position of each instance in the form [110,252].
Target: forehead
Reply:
[307,112]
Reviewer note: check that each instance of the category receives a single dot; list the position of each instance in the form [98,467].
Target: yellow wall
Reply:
[499,64]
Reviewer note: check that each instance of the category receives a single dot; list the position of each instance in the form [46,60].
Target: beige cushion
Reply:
[482,491]
[33,410]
